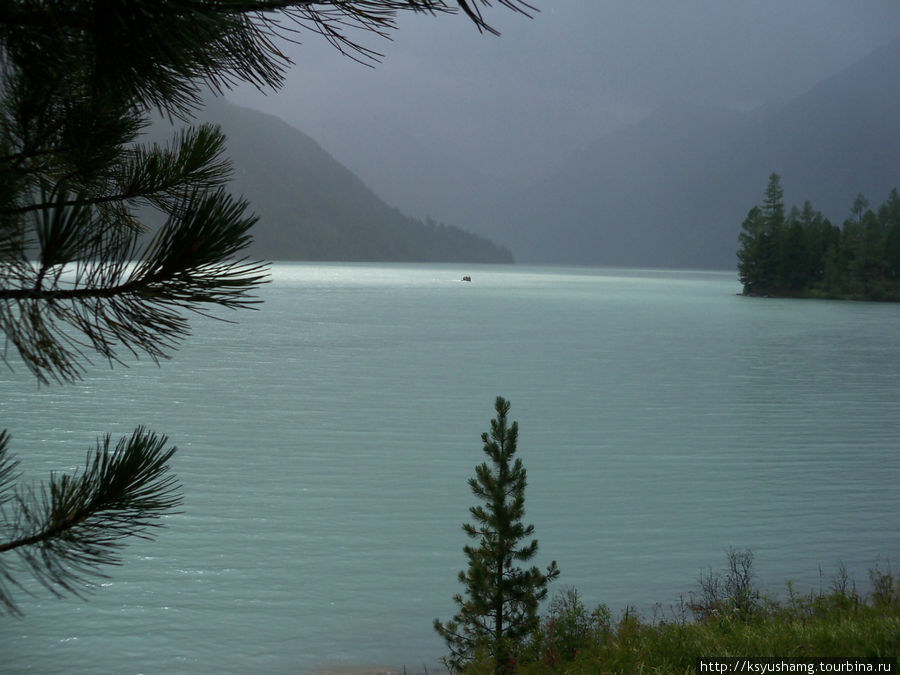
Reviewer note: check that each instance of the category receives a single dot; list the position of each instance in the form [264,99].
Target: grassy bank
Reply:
[726,616]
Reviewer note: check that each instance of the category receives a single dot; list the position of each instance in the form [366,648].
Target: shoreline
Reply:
[343,669]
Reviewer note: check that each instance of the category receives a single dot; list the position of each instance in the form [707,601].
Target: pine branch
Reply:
[51,127]
[77,78]
[172,46]
[111,302]
[8,470]
[65,530]
[156,174]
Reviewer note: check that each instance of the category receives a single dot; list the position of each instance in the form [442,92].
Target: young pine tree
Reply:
[500,607]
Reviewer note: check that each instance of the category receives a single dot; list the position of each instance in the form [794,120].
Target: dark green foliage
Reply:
[75,273]
[65,530]
[78,274]
[755,258]
[567,630]
[80,271]
[839,623]
[499,609]
[804,255]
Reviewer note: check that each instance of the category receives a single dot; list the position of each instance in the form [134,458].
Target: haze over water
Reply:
[326,440]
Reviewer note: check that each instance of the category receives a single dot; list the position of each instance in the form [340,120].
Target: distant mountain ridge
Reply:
[668,191]
[311,207]
[672,190]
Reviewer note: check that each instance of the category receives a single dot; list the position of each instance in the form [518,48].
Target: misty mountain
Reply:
[311,207]
[624,197]
[673,189]
[406,171]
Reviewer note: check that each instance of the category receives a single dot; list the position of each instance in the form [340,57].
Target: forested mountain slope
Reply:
[313,208]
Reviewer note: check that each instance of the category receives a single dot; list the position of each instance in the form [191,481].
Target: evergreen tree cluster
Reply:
[802,254]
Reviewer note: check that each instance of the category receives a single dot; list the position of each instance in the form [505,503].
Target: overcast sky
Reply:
[575,70]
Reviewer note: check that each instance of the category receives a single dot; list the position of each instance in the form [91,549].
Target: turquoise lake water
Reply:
[325,442]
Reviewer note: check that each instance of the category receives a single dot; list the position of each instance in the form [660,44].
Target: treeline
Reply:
[802,254]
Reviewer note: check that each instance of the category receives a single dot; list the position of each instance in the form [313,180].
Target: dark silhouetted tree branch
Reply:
[80,272]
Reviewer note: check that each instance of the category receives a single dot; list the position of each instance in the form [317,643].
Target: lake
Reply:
[325,442]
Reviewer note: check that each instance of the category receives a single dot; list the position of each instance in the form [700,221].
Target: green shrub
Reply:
[567,629]
[732,620]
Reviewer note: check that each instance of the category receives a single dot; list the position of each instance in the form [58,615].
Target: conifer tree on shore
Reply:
[499,609]
[802,254]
